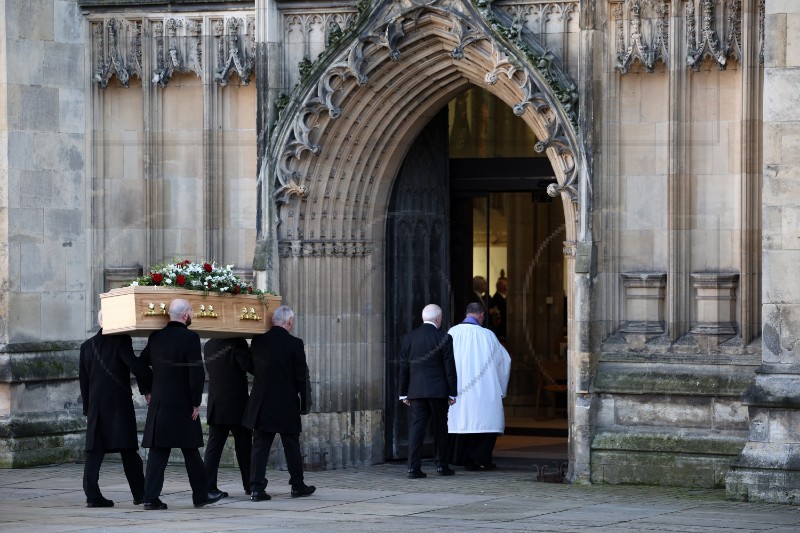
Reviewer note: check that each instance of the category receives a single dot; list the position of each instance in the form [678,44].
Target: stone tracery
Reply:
[391,35]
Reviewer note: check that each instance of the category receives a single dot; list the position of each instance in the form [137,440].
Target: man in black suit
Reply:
[173,417]
[106,363]
[226,361]
[428,384]
[278,398]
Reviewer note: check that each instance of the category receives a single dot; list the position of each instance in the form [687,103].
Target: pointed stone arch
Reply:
[338,144]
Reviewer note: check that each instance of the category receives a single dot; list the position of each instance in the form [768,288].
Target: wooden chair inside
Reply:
[552,378]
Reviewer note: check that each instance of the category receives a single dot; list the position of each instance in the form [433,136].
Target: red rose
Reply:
[250,290]
[207,267]
[236,289]
[181,279]
[156,277]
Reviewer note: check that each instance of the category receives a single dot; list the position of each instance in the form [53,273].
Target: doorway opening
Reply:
[472,191]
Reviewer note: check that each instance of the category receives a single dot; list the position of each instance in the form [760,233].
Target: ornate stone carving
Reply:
[324,248]
[233,52]
[385,31]
[708,44]
[177,46]
[114,56]
[647,36]
[536,17]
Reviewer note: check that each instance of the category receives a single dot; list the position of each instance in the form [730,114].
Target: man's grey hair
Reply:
[100,318]
[431,313]
[282,315]
[177,308]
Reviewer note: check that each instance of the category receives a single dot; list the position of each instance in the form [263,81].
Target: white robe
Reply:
[483,367]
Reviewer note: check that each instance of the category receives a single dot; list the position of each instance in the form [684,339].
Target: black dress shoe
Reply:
[214,492]
[138,501]
[260,496]
[212,497]
[155,505]
[248,492]
[302,490]
[417,474]
[102,502]
[471,467]
[445,471]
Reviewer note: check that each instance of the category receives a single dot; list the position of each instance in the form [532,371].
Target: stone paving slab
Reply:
[381,498]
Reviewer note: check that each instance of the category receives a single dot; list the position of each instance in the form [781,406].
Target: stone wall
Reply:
[768,468]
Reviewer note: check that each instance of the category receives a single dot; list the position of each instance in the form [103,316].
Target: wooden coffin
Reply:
[139,311]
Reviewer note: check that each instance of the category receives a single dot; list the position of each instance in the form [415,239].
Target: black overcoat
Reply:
[178,379]
[106,363]
[279,382]
[427,366]
[226,362]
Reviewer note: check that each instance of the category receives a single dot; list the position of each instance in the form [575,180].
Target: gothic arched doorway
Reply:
[469,202]
[334,158]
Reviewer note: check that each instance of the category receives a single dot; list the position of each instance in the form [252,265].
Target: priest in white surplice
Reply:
[482,366]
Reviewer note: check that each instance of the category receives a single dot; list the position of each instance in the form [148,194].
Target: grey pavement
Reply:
[380,498]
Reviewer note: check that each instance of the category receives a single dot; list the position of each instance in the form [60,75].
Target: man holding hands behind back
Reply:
[278,398]
[106,364]
[428,384]
[173,417]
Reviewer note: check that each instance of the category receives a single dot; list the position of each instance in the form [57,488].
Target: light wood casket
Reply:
[139,311]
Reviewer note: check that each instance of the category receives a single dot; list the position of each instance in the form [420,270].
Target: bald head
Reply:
[432,313]
[180,310]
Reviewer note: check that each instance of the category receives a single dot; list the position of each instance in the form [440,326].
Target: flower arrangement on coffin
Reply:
[206,277]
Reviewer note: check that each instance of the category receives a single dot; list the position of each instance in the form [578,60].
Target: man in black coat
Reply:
[278,398]
[428,384]
[226,361]
[106,363]
[173,417]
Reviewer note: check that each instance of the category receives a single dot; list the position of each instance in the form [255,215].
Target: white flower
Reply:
[135,284]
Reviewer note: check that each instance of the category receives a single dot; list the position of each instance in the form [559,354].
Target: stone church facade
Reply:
[271,134]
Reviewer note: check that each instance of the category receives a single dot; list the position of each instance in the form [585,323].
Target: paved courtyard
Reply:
[380,498]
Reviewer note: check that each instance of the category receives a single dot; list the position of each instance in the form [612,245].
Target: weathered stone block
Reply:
[729,414]
[25,62]
[780,266]
[784,426]
[24,317]
[20,148]
[72,110]
[663,411]
[44,267]
[68,22]
[64,314]
[29,19]
[26,225]
[64,225]
[658,469]
[32,108]
[772,228]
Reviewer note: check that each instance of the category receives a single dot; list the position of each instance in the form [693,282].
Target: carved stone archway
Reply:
[337,147]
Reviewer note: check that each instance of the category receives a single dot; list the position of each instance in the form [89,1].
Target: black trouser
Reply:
[157,460]
[262,442]
[423,410]
[467,449]
[131,463]
[243,444]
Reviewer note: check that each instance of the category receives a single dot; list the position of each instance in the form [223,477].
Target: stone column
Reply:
[768,468]
[43,237]
[268,90]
